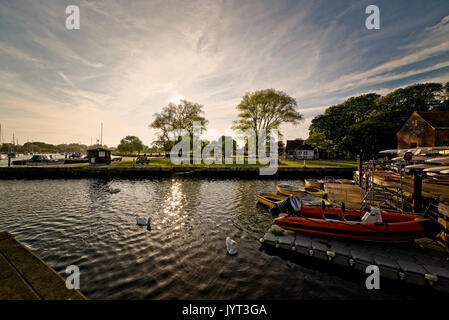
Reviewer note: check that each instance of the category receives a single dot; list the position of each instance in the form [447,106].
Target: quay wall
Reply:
[148,172]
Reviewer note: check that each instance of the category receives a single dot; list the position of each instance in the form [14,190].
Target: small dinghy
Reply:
[231,246]
[345,181]
[289,190]
[271,200]
[313,183]
[341,223]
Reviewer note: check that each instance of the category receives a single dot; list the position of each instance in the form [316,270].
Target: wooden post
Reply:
[417,193]
[360,170]
[9,161]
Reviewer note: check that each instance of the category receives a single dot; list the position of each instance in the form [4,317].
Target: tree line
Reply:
[368,123]
[363,124]
[42,147]
[262,110]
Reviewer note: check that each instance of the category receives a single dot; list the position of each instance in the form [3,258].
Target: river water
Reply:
[183,256]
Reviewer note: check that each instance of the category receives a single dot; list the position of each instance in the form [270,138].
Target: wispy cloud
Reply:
[129,58]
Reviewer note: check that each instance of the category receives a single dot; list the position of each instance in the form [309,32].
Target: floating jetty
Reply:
[24,276]
[421,262]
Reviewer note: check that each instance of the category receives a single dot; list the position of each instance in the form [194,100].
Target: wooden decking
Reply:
[24,276]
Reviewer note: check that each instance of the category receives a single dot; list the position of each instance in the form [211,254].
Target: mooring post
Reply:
[360,170]
[417,193]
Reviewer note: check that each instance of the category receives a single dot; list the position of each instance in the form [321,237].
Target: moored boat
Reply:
[38,160]
[345,181]
[312,183]
[271,200]
[338,222]
[289,190]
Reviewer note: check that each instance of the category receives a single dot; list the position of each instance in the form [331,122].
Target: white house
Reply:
[297,150]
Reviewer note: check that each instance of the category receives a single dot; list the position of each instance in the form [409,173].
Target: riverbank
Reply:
[147,172]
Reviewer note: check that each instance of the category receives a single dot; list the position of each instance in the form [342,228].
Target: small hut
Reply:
[99,156]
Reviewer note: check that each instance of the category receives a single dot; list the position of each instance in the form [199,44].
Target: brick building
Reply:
[424,129]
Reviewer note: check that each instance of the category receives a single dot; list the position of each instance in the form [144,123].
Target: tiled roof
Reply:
[297,145]
[436,119]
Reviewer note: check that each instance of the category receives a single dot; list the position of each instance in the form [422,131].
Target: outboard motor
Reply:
[292,204]
[375,216]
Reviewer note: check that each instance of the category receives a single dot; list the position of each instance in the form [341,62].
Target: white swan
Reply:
[143,222]
[231,246]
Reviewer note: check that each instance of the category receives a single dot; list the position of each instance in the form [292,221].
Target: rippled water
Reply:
[183,256]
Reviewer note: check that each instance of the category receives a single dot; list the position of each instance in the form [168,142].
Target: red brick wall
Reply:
[417,131]
[442,137]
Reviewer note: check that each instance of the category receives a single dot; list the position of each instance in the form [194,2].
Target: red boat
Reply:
[355,224]
[391,179]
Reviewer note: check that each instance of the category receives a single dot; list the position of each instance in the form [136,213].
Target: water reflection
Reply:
[183,256]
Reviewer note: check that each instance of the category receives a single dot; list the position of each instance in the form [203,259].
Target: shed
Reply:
[99,156]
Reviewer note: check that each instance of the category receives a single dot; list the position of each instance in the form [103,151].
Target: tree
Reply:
[265,110]
[173,119]
[130,144]
[317,140]
[370,122]
[417,97]
[281,148]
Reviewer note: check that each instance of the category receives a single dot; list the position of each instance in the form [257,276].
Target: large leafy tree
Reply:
[265,110]
[317,140]
[174,118]
[369,123]
[332,128]
[130,144]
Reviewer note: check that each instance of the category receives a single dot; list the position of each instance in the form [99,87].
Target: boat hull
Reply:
[312,183]
[398,227]
[271,200]
[290,191]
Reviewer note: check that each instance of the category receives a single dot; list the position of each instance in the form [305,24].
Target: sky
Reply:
[130,58]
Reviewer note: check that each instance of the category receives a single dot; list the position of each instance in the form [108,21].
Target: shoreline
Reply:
[149,172]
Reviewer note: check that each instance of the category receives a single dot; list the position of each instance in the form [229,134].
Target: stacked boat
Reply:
[431,162]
